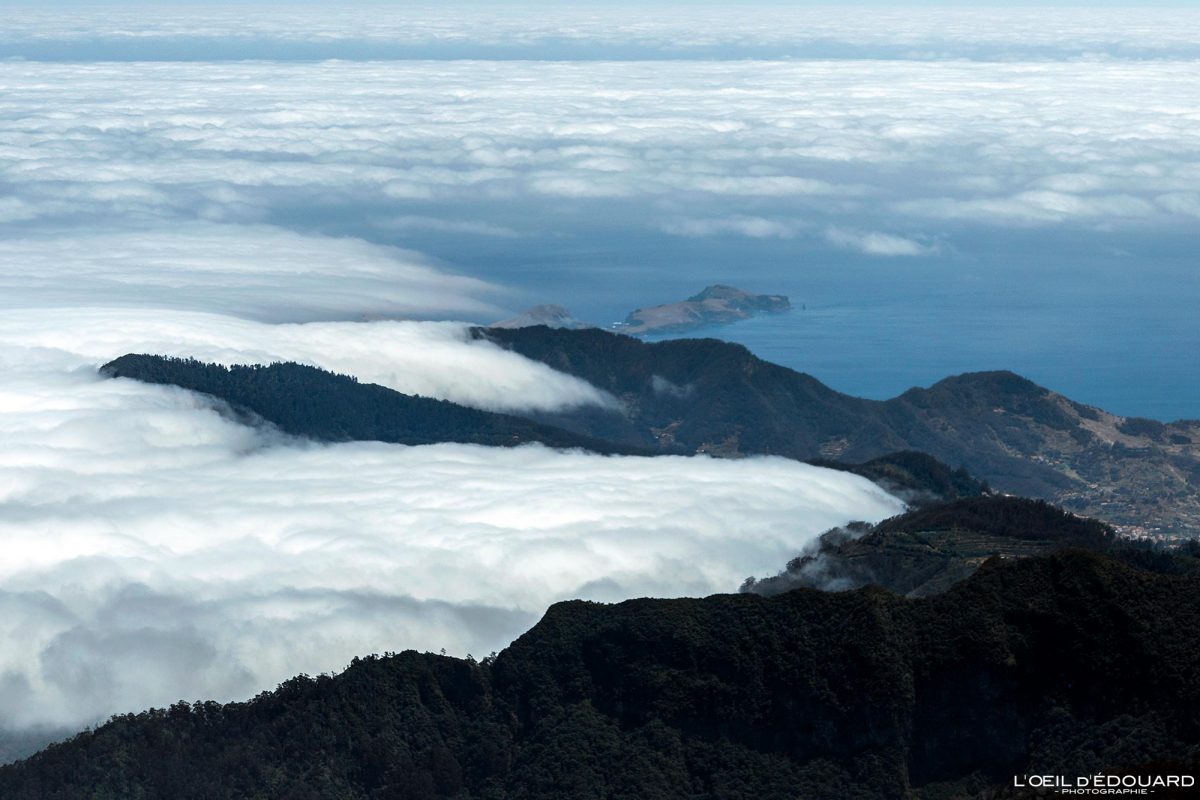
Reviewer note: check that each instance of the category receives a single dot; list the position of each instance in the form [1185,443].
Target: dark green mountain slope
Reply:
[927,550]
[706,395]
[310,402]
[1065,664]
[917,478]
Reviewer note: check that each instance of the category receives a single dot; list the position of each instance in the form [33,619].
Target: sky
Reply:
[937,189]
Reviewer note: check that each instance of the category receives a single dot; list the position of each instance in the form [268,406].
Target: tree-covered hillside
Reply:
[932,547]
[316,404]
[917,478]
[1071,663]
[310,402]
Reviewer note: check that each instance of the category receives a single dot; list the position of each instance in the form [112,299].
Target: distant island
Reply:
[716,305]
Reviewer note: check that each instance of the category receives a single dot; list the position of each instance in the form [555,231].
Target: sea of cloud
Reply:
[886,160]
[196,204]
[431,359]
[156,549]
[599,31]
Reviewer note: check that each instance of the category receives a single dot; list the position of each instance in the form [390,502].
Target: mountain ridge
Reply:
[1068,663]
[928,549]
[313,403]
[307,401]
[705,395]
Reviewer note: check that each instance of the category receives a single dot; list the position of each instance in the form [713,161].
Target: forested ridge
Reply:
[1070,663]
[917,478]
[931,547]
[317,404]
[1032,641]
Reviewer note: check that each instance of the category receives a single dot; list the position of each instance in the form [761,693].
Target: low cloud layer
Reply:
[513,152]
[602,31]
[877,244]
[155,550]
[431,359]
[254,271]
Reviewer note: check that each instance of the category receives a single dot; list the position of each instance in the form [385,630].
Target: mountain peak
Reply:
[1002,383]
[718,291]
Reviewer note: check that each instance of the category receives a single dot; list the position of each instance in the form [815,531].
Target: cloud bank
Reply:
[525,152]
[259,272]
[601,31]
[877,244]
[154,549]
[431,359]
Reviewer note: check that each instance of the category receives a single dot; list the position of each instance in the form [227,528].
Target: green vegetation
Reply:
[933,547]
[1013,518]
[707,396]
[1065,664]
[918,478]
[310,402]
[1038,641]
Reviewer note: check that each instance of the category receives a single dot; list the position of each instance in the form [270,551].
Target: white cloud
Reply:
[416,222]
[432,359]
[874,243]
[253,271]
[1036,206]
[155,550]
[861,145]
[1184,203]
[752,227]
[759,185]
[542,30]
